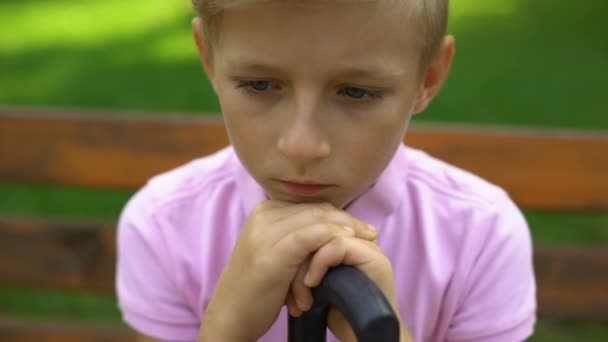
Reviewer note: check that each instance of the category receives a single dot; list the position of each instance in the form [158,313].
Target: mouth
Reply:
[304,188]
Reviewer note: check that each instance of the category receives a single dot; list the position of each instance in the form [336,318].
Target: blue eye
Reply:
[256,85]
[359,94]
[356,93]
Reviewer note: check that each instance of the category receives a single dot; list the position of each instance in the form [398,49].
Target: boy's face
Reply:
[320,96]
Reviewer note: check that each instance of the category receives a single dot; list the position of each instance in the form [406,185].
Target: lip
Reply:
[305,188]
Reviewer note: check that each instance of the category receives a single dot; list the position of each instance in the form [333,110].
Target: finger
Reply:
[297,246]
[329,255]
[292,307]
[300,291]
[343,250]
[271,204]
[294,208]
[314,213]
[306,214]
[268,210]
[285,210]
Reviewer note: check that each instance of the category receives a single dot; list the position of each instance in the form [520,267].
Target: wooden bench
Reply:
[558,170]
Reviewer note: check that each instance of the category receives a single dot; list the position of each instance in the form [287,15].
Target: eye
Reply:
[257,85]
[359,94]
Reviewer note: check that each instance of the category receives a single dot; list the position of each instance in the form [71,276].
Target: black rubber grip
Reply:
[360,301]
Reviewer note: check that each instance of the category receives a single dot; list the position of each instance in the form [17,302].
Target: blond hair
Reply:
[431,15]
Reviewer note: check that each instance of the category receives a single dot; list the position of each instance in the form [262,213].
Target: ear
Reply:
[203,50]
[436,74]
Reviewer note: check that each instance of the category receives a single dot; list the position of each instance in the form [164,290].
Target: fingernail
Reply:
[348,228]
[307,278]
[372,228]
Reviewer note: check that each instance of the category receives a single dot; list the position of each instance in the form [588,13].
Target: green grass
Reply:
[60,305]
[527,62]
[534,63]
[568,229]
[556,331]
[49,201]
[519,62]
[101,54]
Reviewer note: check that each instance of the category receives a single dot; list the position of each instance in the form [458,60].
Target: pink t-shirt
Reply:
[460,249]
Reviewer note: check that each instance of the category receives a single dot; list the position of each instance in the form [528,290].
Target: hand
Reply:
[299,299]
[275,240]
[347,250]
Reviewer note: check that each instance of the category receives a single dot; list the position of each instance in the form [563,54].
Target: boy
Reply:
[316,98]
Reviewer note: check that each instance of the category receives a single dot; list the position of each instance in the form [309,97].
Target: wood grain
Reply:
[541,169]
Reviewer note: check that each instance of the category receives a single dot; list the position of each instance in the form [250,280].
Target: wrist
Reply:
[218,326]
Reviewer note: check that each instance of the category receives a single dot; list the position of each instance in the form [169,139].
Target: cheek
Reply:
[239,118]
[359,155]
[251,133]
[371,147]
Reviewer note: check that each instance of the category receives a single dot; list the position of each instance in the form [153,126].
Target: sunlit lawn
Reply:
[522,62]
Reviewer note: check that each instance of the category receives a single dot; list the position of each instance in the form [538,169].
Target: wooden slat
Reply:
[572,283]
[99,150]
[63,255]
[35,331]
[541,169]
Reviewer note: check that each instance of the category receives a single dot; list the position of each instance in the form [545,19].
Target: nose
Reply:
[303,140]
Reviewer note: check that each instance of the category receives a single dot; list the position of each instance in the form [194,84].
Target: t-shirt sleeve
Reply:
[499,294]
[150,300]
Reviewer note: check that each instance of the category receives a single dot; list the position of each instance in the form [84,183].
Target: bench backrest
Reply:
[558,170]
[541,169]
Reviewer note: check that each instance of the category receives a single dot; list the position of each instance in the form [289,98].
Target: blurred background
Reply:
[537,63]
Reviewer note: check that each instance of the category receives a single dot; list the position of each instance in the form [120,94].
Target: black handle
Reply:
[360,301]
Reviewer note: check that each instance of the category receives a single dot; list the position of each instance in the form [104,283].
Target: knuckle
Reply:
[260,208]
[266,206]
[262,214]
[338,241]
[314,235]
[303,240]
[359,224]
[327,205]
[334,230]
[317,212]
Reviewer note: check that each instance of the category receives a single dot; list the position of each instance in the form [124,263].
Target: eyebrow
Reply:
[251,64]
[344,70]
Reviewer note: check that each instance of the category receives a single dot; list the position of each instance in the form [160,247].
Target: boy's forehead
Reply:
[261,64]
[372,14]
[356,38]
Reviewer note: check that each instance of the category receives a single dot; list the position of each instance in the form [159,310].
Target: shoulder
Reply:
[478,239]
[437,177]
[460,202]
[192,179]
[449,187]
[174,202]
[163,234]
[184,183]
